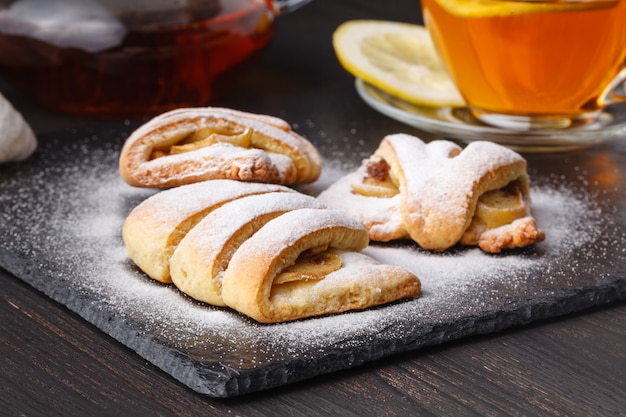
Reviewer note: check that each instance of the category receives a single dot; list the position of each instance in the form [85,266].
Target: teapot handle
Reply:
[287,6]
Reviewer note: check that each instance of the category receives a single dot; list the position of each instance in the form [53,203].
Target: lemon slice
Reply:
[399,58]
[500,8]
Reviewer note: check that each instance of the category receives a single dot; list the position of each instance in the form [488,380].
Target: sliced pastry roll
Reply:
[154,228]
[196,144]
[198,263]
[439,194]
[264,250]
[307,262]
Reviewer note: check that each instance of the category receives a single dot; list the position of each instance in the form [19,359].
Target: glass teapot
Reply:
[127,58]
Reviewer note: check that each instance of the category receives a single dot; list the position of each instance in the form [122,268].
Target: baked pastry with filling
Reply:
[307,262]
[202,256]
[197,144]
[154,228]
[264,250]
[439,195]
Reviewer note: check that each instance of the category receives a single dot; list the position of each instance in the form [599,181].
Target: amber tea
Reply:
[538,63]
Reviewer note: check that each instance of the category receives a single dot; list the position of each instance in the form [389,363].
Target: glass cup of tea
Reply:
[532,65]
[127,58]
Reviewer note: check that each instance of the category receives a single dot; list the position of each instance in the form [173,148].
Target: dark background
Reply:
[53,363]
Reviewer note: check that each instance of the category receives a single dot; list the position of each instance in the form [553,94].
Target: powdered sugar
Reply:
[68,221]
[438,182]
[277,155]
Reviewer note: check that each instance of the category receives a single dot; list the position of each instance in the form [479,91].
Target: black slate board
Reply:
[61,213]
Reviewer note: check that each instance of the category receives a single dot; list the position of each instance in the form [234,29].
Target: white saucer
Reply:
[459,124]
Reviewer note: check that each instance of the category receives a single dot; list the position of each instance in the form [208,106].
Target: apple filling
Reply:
[494,209]
[499,207]
[203,138]
[377,181]
[312,264]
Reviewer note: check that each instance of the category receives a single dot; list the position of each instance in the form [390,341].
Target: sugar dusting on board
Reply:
[88,213]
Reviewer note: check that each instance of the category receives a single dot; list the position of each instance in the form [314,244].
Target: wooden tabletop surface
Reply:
[53,363]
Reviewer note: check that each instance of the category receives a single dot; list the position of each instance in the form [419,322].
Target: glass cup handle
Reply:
[286,6]
[615,92]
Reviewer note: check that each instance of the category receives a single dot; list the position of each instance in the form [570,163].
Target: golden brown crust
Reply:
[153,229]
[248,283]
[264,250]
[196,144]
[521,232]
[439,185]
[203,255]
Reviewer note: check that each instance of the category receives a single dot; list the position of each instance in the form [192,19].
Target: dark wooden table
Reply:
[53,363]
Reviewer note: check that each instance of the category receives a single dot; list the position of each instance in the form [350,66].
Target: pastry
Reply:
[154,228]
[307,262]
[439,194]
[196,144]
[264,250]
[17,140]
[202,256]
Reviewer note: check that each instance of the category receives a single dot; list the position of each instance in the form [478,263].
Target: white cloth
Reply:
[17,140]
